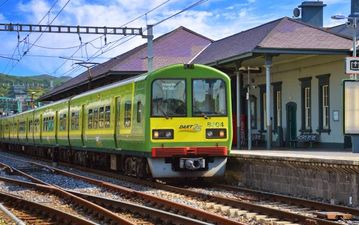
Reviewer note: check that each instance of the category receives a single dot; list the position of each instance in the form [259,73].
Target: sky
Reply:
[25,54]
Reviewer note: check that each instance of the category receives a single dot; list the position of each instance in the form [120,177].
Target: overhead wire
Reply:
[19,42]
[38,38]
[113,42]
[155,24]
[4,2]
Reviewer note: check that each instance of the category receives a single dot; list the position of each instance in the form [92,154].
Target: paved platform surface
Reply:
[339,156]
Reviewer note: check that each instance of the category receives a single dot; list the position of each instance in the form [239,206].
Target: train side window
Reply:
[44,124]
[21,127]
[50,125]
[139,111]
[30,126]
[95,118]
[75,120]
[127,117]
[107,116]
[101,117]
[90,117]
[62,122]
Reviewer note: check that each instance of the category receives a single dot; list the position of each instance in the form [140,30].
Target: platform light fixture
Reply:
[352,22]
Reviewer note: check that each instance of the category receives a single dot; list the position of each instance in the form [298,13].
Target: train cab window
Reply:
[107,116]
[168,98]
[101,117]
[75,120]
[127,117]
[209,97]
[62,126]
[139,111]
[95,118]
[90,118]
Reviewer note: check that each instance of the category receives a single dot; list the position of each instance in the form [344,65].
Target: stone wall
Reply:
[332,183]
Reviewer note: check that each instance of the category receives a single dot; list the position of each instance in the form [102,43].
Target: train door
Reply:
[56,126]
[117,121]
[41,124]
[82,114]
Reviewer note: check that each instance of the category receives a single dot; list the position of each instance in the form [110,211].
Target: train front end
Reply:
[190,121]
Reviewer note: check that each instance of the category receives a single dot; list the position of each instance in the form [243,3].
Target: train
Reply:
[175,121]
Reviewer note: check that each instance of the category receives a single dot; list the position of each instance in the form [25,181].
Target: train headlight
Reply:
[162,134]
[155,134]
[209,133]
[216,133]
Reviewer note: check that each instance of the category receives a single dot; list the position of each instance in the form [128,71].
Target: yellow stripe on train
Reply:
[189,129]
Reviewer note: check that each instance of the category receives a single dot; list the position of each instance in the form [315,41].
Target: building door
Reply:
[291,108]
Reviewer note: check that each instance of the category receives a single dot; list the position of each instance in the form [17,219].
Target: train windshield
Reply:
[209,97]
[169,98]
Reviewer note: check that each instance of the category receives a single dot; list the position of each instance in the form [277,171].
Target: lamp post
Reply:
[352,21]
[248,97]
[353,24]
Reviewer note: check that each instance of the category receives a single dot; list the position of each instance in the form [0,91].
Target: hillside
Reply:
[28,84]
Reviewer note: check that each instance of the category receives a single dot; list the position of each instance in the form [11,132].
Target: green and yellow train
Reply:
[173,122]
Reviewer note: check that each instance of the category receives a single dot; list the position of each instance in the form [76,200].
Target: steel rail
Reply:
[144,210]
[115,204]
[291,200]
[37,209]
[147,197]
[13,217]
[96,209]
[229,202]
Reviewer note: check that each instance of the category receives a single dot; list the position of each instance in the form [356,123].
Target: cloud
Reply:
[215,19]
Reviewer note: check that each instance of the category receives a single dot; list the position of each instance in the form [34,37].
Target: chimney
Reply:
[312,12]
[354,8]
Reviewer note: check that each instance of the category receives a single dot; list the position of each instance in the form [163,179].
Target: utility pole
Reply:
[125,31]
[88,66]
[70,29]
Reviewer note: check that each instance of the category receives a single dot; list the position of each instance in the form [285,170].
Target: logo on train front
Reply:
[190,128]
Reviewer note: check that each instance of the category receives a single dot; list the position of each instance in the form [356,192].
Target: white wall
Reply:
[308,66]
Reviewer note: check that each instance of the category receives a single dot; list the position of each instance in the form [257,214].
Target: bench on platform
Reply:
[257,138]
[305,138]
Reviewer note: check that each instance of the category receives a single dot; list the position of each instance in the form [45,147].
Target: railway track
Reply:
[249,205]
[156,206]
[36,214]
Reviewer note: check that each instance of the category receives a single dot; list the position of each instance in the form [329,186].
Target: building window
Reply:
[264,103]
[277,105]
[324,104]
[278,108]
[306,104]
[253,106]
[262,107]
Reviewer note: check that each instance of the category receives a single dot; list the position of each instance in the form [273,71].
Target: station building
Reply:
[300,68]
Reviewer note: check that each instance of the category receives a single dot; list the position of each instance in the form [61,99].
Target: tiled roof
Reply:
[293,34]
[178,46]
[236,44]
[284,33]
[344,30]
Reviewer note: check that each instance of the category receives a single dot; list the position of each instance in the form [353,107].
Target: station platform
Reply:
[305,155]
[318,174]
